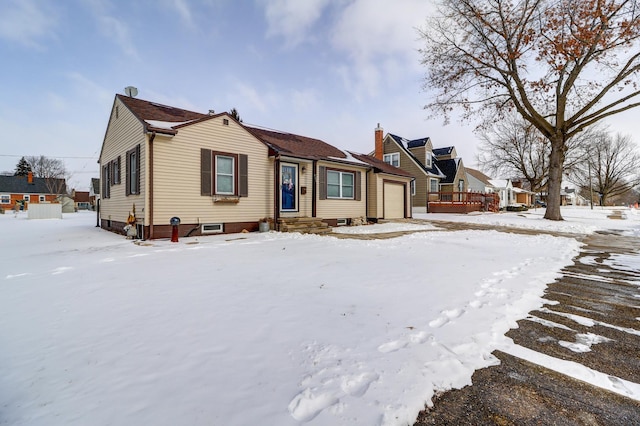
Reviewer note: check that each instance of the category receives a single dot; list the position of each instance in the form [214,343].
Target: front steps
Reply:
[303,225]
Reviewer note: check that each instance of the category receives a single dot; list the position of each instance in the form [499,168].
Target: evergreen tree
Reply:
[22,168]
[234,113]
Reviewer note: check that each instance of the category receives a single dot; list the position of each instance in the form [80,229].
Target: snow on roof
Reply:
[166,124]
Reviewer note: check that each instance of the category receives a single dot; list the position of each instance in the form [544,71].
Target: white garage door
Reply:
[393,201]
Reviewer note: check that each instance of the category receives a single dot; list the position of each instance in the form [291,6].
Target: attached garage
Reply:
[394,200]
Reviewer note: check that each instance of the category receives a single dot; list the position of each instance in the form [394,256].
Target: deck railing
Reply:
[462,201]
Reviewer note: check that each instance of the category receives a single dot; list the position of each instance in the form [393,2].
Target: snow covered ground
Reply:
[261,328]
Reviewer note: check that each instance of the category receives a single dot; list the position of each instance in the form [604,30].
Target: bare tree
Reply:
[563,65]
[52,170]
[611,167]
[513,147]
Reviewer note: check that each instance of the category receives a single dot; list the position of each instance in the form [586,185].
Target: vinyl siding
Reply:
[374,195]
[337,209]
[408,165]
[177,175]
[123,134]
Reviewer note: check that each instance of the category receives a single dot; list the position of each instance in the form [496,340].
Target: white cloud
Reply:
[292,19]
[379,39]
[183,10]
[26,22]
[112,27]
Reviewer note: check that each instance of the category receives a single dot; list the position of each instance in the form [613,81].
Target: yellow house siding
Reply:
[337,209]
[124,132]
[374,193]
[176,168]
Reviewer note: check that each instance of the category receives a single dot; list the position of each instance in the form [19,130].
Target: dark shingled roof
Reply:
[417,142]
[379,165]
[433,170]
[449,168]
[146,110]
[296,145]
[442,151]
[19,185]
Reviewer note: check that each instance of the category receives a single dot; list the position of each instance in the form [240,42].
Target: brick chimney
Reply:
[379,152]
[30,177]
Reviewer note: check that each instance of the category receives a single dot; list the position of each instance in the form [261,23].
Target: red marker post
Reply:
[175,221]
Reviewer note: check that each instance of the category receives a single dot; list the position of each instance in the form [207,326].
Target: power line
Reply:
[76,158]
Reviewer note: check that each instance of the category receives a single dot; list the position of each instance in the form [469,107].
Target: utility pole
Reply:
[590,187]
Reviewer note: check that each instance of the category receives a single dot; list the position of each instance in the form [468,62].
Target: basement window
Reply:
[342,222]
[212,228]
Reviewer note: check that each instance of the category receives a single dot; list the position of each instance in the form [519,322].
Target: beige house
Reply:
[414,157]
[219,176]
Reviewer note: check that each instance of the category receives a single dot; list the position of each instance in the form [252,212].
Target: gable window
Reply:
[340,184]
[393,159]
[433,185]
[5,199]
[223,173]
[133,171]
[427,160]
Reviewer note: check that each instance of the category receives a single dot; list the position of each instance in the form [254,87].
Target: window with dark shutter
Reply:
[243,172]
[205,171]
[322,183]
[133,171]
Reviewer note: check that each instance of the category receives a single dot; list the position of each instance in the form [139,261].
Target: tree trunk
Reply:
[556,162]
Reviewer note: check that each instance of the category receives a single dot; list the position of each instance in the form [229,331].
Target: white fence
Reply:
[44,211]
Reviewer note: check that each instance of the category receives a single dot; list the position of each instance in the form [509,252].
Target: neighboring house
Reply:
[478,181]
[25,190]
[414,157]
[451,165]
[94,191]
[220,176]
[504,188]
[81,200]
[570,197]
[521,194]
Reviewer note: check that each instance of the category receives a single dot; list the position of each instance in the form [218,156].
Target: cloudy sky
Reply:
[329,69]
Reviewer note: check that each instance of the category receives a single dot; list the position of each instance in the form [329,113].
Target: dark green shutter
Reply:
[322,183]
[243,161]
[205,171]
[357,186]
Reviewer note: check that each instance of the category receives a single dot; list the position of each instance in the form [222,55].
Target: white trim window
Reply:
[340,184]
[433,185]
[427,160]
[393,159]
[225,177]
[413,187]
[42,198]
[5,199]
[26,198]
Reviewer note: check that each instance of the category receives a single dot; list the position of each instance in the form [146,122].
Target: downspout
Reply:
[276,188]
[151,138]
[313,188]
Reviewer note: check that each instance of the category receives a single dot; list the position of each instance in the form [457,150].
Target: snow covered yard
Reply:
[274,329]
